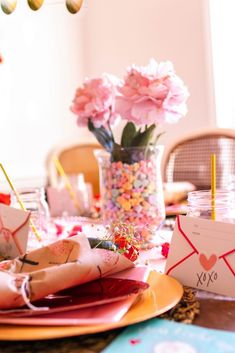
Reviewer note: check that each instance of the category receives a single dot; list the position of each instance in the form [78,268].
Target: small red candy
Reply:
[132,253]
[5,199]
[165,249]
[134,341]
[76,229]
[59,229]
[120,241]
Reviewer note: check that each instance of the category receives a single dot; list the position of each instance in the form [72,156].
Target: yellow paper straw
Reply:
[213,186]
[67,182]
[34,229]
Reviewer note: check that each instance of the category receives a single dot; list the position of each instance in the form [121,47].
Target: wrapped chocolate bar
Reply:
[60,265]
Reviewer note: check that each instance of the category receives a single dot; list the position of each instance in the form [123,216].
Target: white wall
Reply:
[43,62]
[48,53]
[223,28]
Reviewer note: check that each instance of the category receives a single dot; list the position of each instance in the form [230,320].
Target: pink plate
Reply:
[103,300]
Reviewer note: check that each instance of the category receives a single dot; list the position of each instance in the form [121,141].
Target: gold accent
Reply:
[35,4]
[213,187]
[8,6]
[73,6]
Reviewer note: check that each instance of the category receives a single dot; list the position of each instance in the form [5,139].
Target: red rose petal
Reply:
[59,229]
[75,230]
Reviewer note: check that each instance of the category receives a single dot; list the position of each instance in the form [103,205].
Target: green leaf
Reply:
[121,154]
[116,153]
[158,136]
[143,138]
[128,134]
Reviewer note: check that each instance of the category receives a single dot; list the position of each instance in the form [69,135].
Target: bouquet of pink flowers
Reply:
[147,96]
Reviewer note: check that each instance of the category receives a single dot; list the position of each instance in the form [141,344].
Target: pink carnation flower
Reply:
[96,101]
[152,94]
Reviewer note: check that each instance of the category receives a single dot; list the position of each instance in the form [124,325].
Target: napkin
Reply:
[60,265]
[105,311]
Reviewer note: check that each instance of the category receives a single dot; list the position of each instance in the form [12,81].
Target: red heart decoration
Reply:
[207,263]
[134,341]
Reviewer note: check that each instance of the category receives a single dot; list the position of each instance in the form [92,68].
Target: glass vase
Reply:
[131,188]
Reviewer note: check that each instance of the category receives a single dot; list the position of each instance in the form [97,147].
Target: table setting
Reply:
[115,272]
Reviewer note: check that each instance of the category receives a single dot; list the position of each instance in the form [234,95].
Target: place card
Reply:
[202,255]
[14,227]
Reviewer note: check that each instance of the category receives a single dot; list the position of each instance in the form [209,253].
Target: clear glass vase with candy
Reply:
[131,188]
[130,175]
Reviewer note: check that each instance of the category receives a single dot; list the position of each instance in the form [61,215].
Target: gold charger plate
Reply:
[163,293]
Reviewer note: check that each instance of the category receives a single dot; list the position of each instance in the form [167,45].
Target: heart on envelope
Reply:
[207,263]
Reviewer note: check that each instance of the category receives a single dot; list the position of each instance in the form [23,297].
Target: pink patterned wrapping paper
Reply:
[63,264]
[14,227]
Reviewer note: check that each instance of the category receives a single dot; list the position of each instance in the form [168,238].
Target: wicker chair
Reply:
[188,159]
[75,159]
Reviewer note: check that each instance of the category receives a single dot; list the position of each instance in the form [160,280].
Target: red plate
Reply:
[101,291]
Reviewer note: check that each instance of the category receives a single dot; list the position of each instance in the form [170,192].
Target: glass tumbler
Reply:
[35,202]
[200,205]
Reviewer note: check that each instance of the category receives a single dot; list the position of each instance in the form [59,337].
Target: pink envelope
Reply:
[14,225]
[202,255]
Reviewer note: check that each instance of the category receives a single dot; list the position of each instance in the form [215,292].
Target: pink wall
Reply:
[48,53]
[121,32]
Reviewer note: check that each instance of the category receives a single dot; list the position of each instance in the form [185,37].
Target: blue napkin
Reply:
[163,336]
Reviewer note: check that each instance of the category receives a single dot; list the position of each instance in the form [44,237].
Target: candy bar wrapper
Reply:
[63,264]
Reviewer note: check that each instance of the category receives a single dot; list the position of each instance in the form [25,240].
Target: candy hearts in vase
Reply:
[131,188]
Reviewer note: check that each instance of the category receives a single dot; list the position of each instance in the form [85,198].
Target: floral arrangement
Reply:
[147,96]
[120,237]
